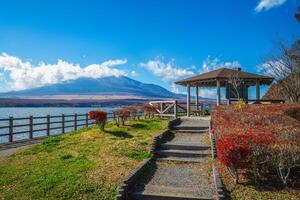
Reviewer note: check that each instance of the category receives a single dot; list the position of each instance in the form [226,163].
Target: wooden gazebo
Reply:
[223,78]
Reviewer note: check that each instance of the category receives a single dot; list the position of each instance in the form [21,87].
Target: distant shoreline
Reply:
[7,102]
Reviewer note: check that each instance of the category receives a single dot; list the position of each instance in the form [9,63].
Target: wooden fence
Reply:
[28,128]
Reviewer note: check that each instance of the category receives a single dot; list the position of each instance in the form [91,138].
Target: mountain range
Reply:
[111,86]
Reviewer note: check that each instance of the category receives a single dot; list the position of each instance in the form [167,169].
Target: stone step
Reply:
[184,146]
[192,131]
[159,192]
[191,127]
[182,159]
[182,153]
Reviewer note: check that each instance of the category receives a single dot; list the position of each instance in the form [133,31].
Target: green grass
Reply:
[85,164]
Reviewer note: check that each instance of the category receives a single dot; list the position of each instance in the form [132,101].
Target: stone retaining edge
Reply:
[220,195]
[130,180]
[213,145]
[218,184]
[173,123]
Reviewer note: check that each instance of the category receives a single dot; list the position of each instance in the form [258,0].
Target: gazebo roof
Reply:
[223,74]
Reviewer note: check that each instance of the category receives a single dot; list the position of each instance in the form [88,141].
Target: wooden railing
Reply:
[175,108]
[27,128]
[165,108]
[169,108]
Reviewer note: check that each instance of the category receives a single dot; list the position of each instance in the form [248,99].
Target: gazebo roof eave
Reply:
[203,82]
[225,74]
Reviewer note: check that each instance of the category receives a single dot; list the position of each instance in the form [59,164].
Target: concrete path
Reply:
[183,169]
[9,149]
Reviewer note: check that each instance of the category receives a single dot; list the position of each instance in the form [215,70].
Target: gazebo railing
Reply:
[261,101]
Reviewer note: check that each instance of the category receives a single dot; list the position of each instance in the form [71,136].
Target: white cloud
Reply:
[24,74]
[133,73]
[2,77]
[210,64]
[174,88]
[168,72]
[207,93]
[268,4]
[271,68]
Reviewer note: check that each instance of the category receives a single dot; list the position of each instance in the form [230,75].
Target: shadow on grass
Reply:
[121,134]
[140,126]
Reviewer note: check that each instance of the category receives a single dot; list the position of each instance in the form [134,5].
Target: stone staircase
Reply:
[182,170]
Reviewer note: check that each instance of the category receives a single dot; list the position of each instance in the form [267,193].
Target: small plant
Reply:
[122,114]
[99,117]
[240,104]
[133,110]
[149,110]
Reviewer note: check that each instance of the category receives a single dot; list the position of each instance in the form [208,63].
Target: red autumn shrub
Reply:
[247,137]
[99,117]
[293,112]
[231,153]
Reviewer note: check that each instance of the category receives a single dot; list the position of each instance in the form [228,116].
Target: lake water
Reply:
[24,112]
[6,112]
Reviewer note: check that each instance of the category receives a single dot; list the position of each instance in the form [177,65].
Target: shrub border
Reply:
[130,180]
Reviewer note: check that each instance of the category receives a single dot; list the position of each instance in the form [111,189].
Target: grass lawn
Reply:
[84,164]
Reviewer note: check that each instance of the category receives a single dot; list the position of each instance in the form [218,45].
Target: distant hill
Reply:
[279,90]
[274,92]
[116,86]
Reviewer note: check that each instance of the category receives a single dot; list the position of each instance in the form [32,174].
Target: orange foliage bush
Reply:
[99,117]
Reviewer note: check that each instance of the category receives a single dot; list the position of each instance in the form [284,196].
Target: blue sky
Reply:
[152,41]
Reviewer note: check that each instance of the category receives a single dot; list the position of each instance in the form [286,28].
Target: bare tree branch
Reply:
[285,68]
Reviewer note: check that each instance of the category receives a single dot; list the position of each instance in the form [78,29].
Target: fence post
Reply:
[175,110]
[48,125]
[63,123]
[30,127]
[11,124]
[75,122]
[86,120]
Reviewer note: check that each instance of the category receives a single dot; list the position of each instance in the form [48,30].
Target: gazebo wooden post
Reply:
[218,92]
[197,97]
[257,91]
[188,101]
